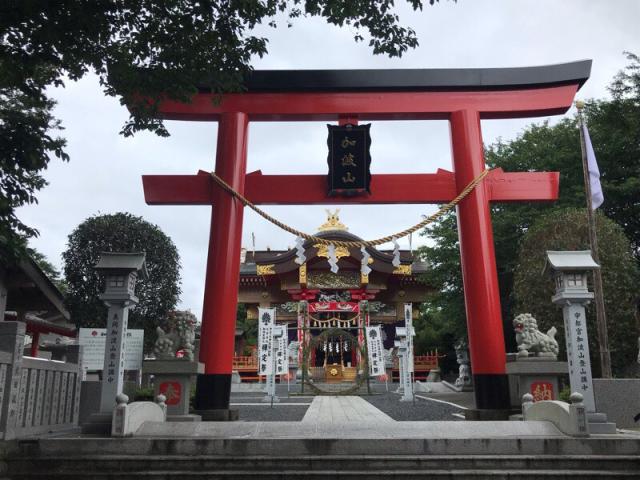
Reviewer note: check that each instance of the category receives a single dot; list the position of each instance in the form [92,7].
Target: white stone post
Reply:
[121,272]
[114,352]
[575,325]
[404,364]
[570,274]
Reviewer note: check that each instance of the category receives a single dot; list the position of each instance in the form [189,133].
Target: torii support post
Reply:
[463,97]
[479,274]
[223,266]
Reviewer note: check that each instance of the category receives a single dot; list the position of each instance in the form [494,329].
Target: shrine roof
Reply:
[433,79]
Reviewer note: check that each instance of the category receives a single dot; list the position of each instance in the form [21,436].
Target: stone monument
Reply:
[175,365]
[120,270]
[569,271]
[404,355]
[535,369]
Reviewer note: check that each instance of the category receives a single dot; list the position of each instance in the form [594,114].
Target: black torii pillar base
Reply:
[492,398]
[213,392]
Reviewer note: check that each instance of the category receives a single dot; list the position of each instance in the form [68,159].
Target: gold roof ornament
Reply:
[333,222]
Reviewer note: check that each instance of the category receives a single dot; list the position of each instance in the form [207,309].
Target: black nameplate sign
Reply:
[349,159]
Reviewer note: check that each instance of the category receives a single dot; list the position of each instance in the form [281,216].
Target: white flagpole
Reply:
[592,179]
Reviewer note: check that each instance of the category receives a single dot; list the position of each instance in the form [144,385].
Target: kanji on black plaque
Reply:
[349,159]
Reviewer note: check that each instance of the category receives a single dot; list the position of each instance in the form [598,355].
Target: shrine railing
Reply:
[36,395]
[249,362]
[422,363]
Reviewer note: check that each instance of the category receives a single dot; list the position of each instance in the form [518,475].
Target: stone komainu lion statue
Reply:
[180,337]
[532,340]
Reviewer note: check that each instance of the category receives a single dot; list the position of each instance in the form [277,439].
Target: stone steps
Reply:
[332,466]
[317,463]
[337,475]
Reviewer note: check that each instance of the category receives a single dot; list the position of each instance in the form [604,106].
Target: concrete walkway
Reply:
[339,410]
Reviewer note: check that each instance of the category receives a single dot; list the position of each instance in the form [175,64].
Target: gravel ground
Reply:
[264,413]
[421,410]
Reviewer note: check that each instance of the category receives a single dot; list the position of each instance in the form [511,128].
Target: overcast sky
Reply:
[104,174]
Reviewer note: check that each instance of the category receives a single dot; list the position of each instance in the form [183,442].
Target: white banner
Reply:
[266,324]
[282,357]
[93,341]
[408,322]
[375,350]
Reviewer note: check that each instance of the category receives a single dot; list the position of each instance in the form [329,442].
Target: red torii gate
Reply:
[461,96]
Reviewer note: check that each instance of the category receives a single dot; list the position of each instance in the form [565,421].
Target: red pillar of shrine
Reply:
[479,274]
[223,267]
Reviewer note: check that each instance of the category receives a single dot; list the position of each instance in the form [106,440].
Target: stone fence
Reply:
[36,395]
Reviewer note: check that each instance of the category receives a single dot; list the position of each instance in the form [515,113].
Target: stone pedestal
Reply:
[173,379]
[538,376]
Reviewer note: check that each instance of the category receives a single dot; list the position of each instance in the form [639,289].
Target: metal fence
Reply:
[36,395]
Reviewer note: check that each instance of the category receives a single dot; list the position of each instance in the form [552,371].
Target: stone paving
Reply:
[344,410]
[292,406]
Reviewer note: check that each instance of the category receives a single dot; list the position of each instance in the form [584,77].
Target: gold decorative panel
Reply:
[302,274]
[266,269]
[403,270]
[323,251]
[333,280]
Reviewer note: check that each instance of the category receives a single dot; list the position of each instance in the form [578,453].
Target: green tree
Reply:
[614,126]
[26,145]
[566,229]
[141,50]
[121,232]
[442,319]
[48,268]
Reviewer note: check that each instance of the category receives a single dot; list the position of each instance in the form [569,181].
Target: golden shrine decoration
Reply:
[302,274]
[323,251]
[402,270]
[348,279]
[265,269]
[333,222]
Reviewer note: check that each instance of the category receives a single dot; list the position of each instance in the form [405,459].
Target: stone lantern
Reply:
[120,270]
[569,270]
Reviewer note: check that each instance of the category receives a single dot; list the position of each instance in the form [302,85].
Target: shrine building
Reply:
[311,295]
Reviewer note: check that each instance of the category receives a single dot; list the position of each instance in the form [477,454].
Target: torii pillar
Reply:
[462,96]
[223,266]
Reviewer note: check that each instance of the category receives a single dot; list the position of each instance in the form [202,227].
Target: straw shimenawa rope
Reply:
[353,244]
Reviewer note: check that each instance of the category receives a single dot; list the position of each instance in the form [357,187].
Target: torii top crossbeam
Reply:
[461,96]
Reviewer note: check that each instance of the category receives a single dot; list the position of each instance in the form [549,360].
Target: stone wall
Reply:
[619,398]
[36,395]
